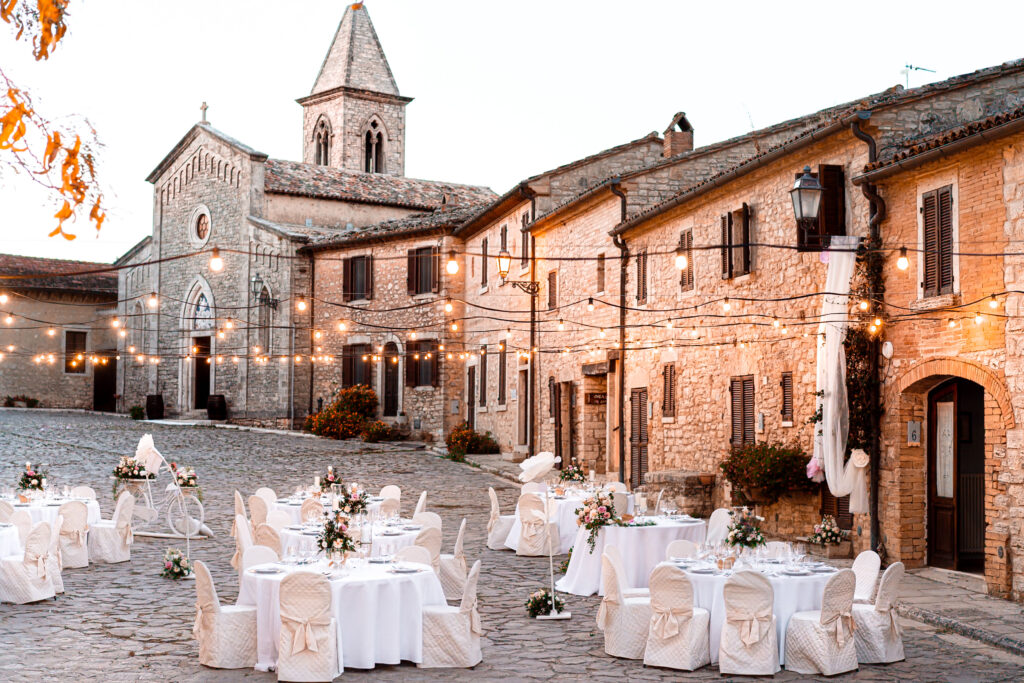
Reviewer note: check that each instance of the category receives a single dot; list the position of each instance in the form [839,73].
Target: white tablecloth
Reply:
[566,516]
[43,512]
[379,614]
[295,508]
[642,548]
[9,542]
[304,541]
[792,594]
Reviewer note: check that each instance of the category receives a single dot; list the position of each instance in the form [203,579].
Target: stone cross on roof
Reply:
[203,108]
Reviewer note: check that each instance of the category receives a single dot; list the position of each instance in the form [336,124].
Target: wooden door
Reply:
[556,409]
[201,388]
[942,477]
[638,436]
[471,397]
[391,380]
[104,385]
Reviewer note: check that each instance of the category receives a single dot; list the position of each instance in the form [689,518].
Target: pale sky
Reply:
[503,89]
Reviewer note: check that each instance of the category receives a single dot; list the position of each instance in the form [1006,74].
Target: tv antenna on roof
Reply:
[910,67]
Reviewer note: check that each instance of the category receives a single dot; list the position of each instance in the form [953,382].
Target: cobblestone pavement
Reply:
[124,623]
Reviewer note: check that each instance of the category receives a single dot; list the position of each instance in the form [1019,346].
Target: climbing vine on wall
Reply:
[862,382]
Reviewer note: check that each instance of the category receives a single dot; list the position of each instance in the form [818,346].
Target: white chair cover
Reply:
[111,540]
[243,541]
[226,634]
[308,648]
[278,519]
[83,492]
[6,510]
[616,487]
[451,635]
[454,569]
[413,553]
[421,504]
[391,491]
[312,510]
[536,529]
[749,644]
[624,620]
[389,507]
[25,578]
[681,548]
[239,512]
[267,535]
[74,546]
[268,496]
[718,525]
[821,641]
[430,538]
[427,519]
[497,526]
[532,487]
[678,637]
[23,521]
[615,556]
[877,634]
[866,568]
[257,511]
[258,554]
[53,559]
[621,502]
[776,549]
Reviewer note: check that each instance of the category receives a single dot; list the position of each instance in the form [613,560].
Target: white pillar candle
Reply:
[330,468]
[316,481]
[28,465]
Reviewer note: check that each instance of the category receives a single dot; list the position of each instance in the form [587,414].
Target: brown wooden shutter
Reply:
[945,234]
[502,374]
[346,280]
[736,398]
[745,248]
[837,507]
[668,399]
[410,363]
[832,211]
[686,274]
[551,397]
[552,289]
[412,271]
[600,272]
[641,277]
[368,260]
[348,367]
[483,377]
[748,410]
[483,263]
[787,396]
[435,370]
[435,269]
[726,246]
[930,221]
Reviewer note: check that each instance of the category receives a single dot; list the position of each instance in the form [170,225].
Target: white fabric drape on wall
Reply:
[831,433]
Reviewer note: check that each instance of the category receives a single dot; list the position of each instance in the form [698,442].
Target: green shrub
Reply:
[335,424]
[378,431]
[360,399]
[764,472]
[137,412]
[463,439]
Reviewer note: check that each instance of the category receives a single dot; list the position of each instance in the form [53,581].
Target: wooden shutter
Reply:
[748,410]
[641,277]
[837,507]
[412,273]
[945,234]
[686,275]
[832,211]
[435,269]
[668,399]
[504,237]
[435,369]
[346,280]
[502,374]
[745,247]
[411,369]
[551,397]
[736,398]
[525,235]
[787,396]
[348,367]
[638,436]
[726,246]
[552,289]
[600,273]
[483,377]
[483,263]
[368,264]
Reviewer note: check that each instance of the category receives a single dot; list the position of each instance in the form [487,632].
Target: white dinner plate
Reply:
[796,572]
[266,570]
[405,570]
[390,533]
[704,570]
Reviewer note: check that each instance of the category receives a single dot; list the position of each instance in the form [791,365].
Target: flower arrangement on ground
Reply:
[130,468]
[597,511]
[335,539]
[541,602]
[330,479]
[745,530]
[31,479]
[826,533]
[573,473]
[353,502]
[176,565]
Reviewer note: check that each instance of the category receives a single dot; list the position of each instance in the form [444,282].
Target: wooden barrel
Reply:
[155,407]
[216,407]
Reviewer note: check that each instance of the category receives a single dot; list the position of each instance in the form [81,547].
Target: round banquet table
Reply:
[294,507]
[10,544]
[379,615]
[566,517]
[792,594]
[46,511]
[641,547]
[386,540]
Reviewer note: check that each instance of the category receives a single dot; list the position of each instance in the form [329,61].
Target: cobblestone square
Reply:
[124,623]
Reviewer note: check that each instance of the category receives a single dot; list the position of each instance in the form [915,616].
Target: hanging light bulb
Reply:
[903,262]
[993,303]
[776,324]
[726,305]
[452,267]
[952,323]
[115,323]
[863,305]
[131,349]
[878,322]
[256,350]
[300,305]
[9,319]
[669,324]
[681,260]
[318,334]
[234,359]
[52,332]
[602,332]
[342,326]
[455,327]
[4,298]
[872,329]
[978,318]
[590,304]
[412,335]
[694,333]
[153,301]
[216,262]
[440,347]
[561,325]
[221,334]
[785,329]
[448,305]
[449,356]
[508,333]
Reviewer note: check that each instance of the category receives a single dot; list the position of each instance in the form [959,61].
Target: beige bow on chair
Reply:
[602,611]
[752,626]
[126,534]
[840,627]
[304,638]
[40,562]
[199,628]
[532,528]
[492,520]
[474,619]
[894,622]
[666,623]
[76,536]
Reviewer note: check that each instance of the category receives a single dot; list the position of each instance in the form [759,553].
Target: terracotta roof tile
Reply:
[30,272]
[402,227]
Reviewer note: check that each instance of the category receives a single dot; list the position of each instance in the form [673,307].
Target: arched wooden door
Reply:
[390,380]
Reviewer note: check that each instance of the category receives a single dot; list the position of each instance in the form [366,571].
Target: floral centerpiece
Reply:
[176,565]
[826,533]
[31,479]
[329,480]
[572,473]
[541,602]
[353,502]
[185,477]
[597,511]
[335,539]
[745,530]
[130,468]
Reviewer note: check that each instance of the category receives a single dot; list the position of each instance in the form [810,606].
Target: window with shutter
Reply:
[412,276]
[741,391]
[787,396]
[483,376]
[551,397]
[726,246]
[600,273]
[423,270]
[525,247]
[837,507]
[355,367]
[552,289]
[504,238]
[686,274]
[668,399]
[502,374]
[937,224]
[74,344]
[641,277]
[741,260]
[357,278]
[483,263]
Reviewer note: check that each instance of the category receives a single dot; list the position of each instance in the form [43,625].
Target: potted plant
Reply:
[762,473]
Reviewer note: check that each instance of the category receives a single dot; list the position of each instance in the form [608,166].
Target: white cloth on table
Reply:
[641,547]
[47,511]
[792,594]
[379,614]
[294,507]
[564,516]
[304,540]
[10,544]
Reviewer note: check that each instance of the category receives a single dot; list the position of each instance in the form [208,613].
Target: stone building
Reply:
[242,330]
[57,341]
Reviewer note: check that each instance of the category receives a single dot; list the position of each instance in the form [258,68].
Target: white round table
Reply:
[294,507]
[10,544]
[566,517]
[379,614]
[386,540]
[641,547]
[792,594]
[46,511]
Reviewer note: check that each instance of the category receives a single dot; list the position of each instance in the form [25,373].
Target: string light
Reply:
[878,322]
[4,298]
[872,329]
[216,262]
[952,323]
[508,333]
[455,327]
[903,262]
[153,301]
[9,319]
[115,323]
[452,267]
[993,303]
[412,335]
[681,260]
[726,306]
[978,318]
[590,304]
[342,326]
[863,305]
[300,305]
[317,334]
[52,332]
[123,333]
[448,306]
[775,323]
[602,332]
[561,325]
[221,334]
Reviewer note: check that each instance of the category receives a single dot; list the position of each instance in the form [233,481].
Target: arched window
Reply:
[264,322]
[137,324]
[322,143]
[373,149]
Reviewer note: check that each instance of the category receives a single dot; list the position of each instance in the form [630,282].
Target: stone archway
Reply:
[903,467]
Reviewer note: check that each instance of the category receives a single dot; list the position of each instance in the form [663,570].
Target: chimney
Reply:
[678,136]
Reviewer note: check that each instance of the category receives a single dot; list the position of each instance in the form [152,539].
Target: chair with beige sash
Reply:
[243,541]
[451,635]
[278,519]
[111,540]
[268,496]
[749,644]
[536,528]
[257,511]
[430,538]
[615,557]
[258,554]
[413,553]
[453,568]
[312,510]
[25,578]
[226,633]
[427,519]
[718,526]
[821,641]
[6,510]
[308,646]
[83,492]
[23,522]
[421,504]
[498,525]
[681,548]
[389,507]
[267,535]
[74,547]
[53,558]
[624,620]
[866,568]
[877,633]
[678,635]
[239,512]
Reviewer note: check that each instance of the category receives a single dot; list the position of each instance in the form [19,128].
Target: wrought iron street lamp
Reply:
[806,196]
[504,263]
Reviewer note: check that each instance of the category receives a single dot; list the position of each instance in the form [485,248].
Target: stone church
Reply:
[242,330]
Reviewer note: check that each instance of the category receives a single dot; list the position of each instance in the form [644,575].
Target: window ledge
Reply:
[483,290]
[787,423]
[741,279]
[425,296]
[501,407]
[932,303]
[423,387]
[481,409]
[358,302]
[667,420]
